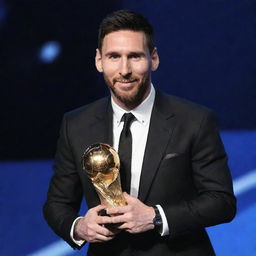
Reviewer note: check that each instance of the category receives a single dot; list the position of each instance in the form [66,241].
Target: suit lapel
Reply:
[100,131]
[160,130]
[102,126]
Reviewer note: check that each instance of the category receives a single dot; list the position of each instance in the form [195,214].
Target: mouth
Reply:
[125,83]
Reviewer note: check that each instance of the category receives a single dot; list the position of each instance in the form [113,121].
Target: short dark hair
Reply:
[126,20]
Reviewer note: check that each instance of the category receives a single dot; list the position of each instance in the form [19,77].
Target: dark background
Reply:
[207,52]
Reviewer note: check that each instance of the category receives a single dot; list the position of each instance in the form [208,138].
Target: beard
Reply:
[130,101]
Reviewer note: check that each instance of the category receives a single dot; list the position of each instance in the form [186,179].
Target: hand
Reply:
[91,227]
[135,217]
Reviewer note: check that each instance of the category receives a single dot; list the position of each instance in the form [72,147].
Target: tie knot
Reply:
[127,118]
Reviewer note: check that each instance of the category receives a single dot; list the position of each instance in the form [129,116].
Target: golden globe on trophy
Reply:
[102,164]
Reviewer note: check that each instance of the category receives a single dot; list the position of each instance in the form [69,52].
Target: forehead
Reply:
[125,40]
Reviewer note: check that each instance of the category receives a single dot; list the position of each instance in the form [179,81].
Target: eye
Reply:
[134,56]
[113,56]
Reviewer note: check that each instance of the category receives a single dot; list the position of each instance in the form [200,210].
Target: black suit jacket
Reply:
[184,170]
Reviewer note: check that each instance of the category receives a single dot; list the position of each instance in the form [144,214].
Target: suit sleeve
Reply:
[214,201]
[65,190]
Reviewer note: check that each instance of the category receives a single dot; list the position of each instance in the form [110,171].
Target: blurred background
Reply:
[207,54]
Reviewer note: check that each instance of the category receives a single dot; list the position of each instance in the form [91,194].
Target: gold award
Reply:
[102,164]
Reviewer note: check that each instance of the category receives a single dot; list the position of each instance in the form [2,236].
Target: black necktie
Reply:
[125,152]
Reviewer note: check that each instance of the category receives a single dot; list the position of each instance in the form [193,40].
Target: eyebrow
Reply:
[140,53]
[111,53]
[137,53]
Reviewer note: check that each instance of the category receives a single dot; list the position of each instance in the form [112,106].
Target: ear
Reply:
[155,59]
[98,61]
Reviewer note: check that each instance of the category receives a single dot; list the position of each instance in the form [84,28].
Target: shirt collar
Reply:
[142,112]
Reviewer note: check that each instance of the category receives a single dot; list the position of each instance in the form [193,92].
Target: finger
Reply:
[104,234]
[99,208]
[124,226]
[95,210]
[118,210]
[104,220]
[129,199]
[101,230]
[125,194]
[118,219]
[100,238]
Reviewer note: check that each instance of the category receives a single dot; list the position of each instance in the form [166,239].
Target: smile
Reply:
[125,83]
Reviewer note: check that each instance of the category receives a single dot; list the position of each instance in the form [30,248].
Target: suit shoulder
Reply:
[88,110]
[182,106]
[190,117]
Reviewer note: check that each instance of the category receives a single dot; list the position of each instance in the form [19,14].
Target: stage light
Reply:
[50,51]
[3,12]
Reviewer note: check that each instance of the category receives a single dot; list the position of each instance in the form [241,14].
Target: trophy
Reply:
[102,164]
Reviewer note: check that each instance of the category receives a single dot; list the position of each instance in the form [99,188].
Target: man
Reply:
[179,183]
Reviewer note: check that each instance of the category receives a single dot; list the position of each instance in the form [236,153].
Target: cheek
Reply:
[109,71]
[141,69]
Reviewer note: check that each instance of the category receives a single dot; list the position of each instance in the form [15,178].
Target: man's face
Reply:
[126,64]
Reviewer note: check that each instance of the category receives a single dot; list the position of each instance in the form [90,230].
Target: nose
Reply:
[125,68]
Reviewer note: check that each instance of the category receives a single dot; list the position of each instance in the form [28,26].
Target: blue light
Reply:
[50,51]
[3,11]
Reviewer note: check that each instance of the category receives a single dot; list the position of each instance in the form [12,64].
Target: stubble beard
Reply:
[130,101]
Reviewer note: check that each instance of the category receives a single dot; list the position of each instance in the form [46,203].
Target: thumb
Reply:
[128,198]
[99,208]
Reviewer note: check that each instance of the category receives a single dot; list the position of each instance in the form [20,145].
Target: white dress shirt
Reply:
[139,129]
